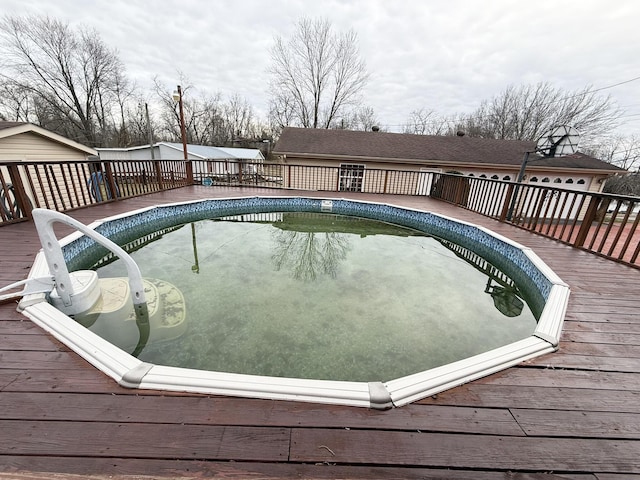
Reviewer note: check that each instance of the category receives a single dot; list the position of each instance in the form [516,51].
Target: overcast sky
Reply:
[443,55]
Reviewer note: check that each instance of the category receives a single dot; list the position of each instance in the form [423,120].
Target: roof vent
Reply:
[460,133]
[375,128]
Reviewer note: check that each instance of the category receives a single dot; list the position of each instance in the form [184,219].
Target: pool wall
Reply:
[547,297]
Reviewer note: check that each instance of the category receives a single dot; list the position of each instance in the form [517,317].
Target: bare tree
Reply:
[138,129]
[208,119]
[238,117]
[528,111]
[361,118]
[426,122]
[15,102]
[70,76]
[623,185]
[620,150]
[315,76]
[281,113]
[309,254]
[203,115]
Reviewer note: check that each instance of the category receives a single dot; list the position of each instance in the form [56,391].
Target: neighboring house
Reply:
[356,152]
[21,143]
[214,160]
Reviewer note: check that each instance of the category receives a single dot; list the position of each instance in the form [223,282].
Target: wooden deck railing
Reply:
[597,222]
[605,224]
[346,178]
[67,185]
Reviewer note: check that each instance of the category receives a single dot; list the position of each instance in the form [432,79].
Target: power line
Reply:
[617,84]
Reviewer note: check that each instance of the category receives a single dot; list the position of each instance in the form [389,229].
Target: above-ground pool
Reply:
[323,300]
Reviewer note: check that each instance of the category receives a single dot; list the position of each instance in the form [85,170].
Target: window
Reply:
[557,180]
[581,182]
[506,178]
[546,180]
[569,180]
[351,176]
[483,176]
[533,179]
[495,177]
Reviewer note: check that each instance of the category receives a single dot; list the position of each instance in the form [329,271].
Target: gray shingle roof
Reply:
[397,147]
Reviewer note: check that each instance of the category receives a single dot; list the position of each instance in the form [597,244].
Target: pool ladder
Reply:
[75,292]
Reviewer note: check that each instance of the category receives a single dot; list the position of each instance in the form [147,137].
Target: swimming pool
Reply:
[549,295]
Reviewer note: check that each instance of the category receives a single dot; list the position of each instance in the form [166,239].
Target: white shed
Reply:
[207,160]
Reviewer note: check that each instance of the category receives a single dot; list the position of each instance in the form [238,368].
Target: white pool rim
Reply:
[131,372]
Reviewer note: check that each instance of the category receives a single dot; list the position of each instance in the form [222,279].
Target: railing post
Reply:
[505,204]
[189,171]
[587,221]
[22,199]
[158,171]
[459,191]
[111,182]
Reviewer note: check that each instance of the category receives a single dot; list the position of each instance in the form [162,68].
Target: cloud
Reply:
[442,55]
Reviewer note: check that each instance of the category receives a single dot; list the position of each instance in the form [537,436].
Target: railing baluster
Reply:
[554,219]
[42,190]
[609,227]
[632,231]
[621,228]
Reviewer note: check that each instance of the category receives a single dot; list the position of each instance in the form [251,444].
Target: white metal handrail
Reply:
[44,220]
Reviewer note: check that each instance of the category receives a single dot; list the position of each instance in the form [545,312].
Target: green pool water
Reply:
[326,297]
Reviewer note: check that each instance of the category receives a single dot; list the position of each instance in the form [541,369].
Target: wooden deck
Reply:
[574,414]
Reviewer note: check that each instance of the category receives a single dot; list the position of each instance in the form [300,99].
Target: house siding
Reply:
[379,177]
[45,182]
[66,182]
[29,146]
[405,178]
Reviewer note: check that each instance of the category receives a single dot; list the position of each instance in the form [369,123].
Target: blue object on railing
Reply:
[95,181]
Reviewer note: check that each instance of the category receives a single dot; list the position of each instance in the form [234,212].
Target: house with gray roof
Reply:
[174,151]
[359,154]
[207,160]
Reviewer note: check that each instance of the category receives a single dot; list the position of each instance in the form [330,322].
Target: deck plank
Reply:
[143,440]
[20,342]
[202,410]
[28,360]
[602,327]
[550,398]
[465,451]
[588,362]
[552,377]
[147,469]
[602,337]
[597,350]
[578,424]
[82,378]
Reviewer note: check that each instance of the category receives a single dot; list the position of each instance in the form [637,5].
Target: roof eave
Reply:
[30,128]
[450,163]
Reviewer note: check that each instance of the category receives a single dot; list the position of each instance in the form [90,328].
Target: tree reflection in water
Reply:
[309,254]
